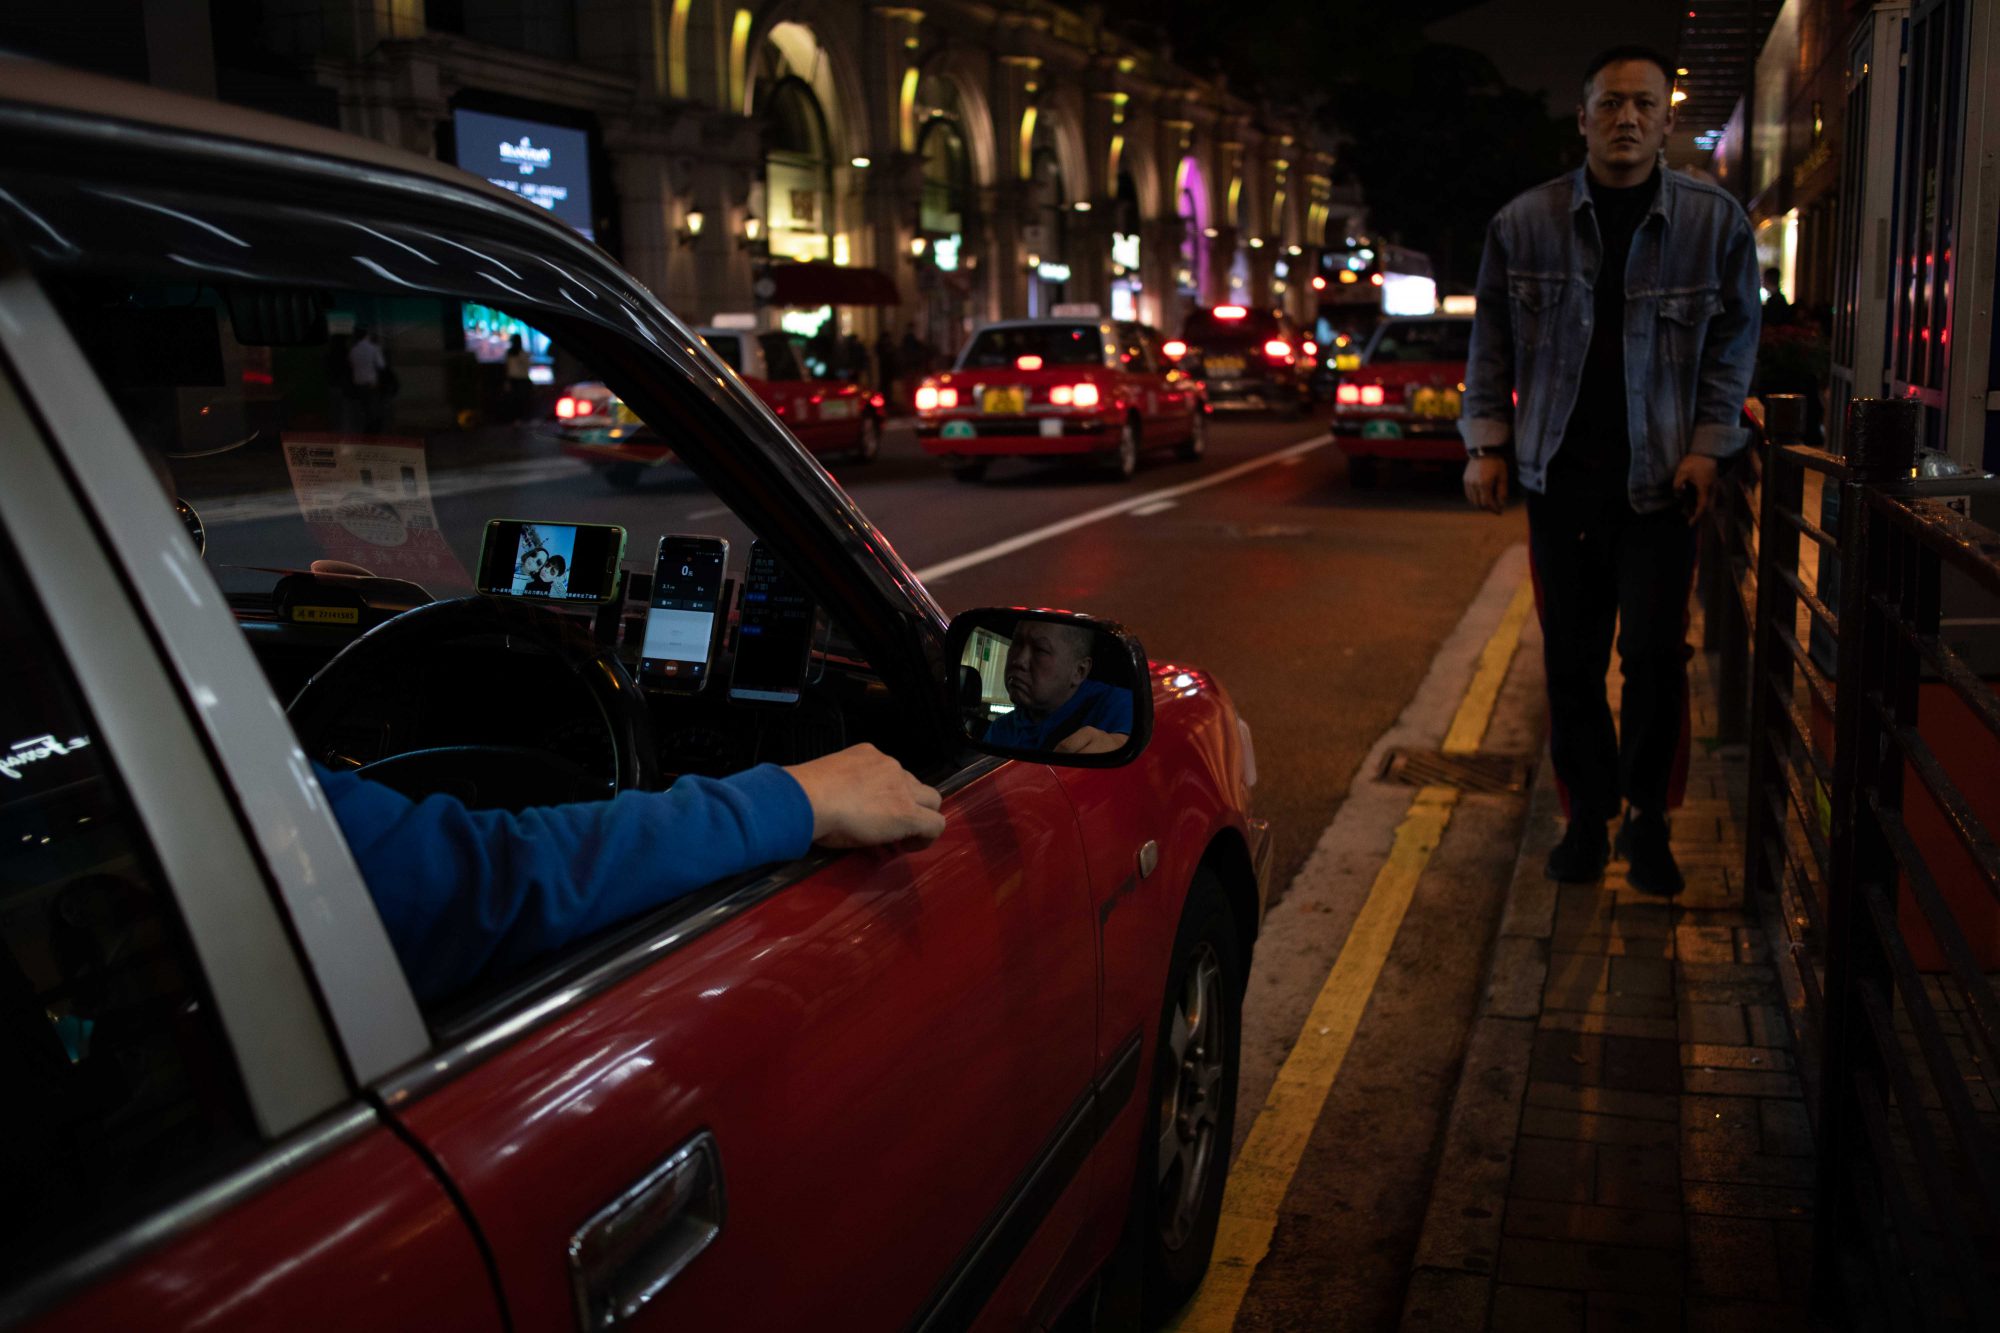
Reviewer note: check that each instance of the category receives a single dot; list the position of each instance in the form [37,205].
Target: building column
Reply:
[1221,258]
[1159,269]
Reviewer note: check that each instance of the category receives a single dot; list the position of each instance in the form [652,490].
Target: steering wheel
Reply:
[509,777]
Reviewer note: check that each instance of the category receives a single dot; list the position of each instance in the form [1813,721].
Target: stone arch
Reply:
[955,68]
[788,41]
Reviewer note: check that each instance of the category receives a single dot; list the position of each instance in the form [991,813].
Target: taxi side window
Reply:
[1132,353]
[120,1090]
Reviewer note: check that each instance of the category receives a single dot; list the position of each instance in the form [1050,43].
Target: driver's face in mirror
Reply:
[1040,689]
[1045,664]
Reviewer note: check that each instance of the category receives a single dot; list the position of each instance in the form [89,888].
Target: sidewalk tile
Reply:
[1729,982]
[1621,1312]
[1615,945]
[1535,1309]
[1636,1064]
[1593,1224]
[1704,944]
[1767,1025]
[1618,1025]
[1733,1257]
[1605,1101]
[1549,1123]
[1723,1316]
[1712,1024]
[1742,1083]
[1728,1199]
[1516,978]
[1531,907]
[1643,976]
[1737,1057]
[1787,1130]
[1446,1301]
[1554,1263]
[1554,1169]
[1629,1177]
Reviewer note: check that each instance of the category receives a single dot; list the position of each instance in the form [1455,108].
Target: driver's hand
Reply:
[1486,483]
[1090,740]
[861,797]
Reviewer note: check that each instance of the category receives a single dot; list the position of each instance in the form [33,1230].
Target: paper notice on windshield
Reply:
[369,503]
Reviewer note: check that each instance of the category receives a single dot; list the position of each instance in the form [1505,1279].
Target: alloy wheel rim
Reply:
[1190,1112]
[1128,450]
[1200,435]
[871,437]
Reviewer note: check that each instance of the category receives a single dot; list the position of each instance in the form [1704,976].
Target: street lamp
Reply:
[691,226]
[918,245]
[753,230]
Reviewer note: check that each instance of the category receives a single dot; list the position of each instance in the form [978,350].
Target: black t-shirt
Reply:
[1597,443]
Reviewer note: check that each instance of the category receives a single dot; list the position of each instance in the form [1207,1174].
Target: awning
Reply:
[816,283]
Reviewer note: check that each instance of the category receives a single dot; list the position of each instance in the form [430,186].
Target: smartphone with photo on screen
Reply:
[677,649]
[551,562]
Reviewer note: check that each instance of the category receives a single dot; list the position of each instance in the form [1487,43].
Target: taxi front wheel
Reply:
[1125,461]
[1184,1152]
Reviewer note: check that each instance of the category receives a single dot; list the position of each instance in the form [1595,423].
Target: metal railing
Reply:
[1894,1007]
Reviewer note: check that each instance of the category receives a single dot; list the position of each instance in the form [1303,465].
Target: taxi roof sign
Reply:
[1076,310]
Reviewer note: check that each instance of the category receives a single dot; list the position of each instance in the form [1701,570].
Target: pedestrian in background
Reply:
[520,380]
[1777,310]
[1612,349]
[366,368]
[885,364]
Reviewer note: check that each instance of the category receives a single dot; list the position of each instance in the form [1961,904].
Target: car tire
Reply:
[1196,444]
[971,473]
[1363,473]
[1192,1103]
[871,439]
[1124,460]
[623,476]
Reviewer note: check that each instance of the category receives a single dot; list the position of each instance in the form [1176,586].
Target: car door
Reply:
[1176,403]
[180,1149]
[860,1060]
[1138,380]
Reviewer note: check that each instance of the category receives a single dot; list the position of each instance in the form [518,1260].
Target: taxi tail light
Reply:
[931,397]
[566,408]
[1348,395]
[1311,348]
[1028,362]
[1173,349]
[1278,349]
[1080,395]
[1231,311]
[1371,395]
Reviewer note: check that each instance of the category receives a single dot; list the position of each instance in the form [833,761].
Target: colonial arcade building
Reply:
[926,166]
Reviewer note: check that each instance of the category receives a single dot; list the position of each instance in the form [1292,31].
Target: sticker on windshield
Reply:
[370,505]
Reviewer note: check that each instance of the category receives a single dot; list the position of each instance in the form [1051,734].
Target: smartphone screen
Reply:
[551,562]
[680,624]
[775,643]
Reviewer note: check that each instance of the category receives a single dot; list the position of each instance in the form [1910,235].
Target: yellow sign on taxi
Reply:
[1004,400]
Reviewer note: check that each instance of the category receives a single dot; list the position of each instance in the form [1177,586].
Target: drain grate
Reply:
[1498,774]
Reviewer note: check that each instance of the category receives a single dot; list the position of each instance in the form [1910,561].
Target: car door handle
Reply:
[639,1242]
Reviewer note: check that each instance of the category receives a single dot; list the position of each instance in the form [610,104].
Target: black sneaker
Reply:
[1642,841]
[1579,858]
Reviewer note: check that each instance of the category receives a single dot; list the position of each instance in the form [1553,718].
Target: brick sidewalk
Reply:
[1628,1147]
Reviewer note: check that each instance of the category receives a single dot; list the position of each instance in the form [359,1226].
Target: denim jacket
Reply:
[1691,322]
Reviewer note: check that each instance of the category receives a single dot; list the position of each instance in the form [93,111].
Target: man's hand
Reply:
[861,797]
[1698,471]
[1090,740]
[1486,483]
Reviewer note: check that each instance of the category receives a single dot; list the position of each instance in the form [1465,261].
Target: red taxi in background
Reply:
[1070,387]
[831,417]
[1248,358]
[1402,401]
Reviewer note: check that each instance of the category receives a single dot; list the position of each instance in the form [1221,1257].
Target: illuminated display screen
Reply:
[544,164]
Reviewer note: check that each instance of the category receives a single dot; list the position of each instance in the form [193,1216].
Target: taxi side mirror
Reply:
[1052,687]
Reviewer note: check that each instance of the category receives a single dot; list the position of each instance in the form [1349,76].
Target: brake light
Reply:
[1029,362]
[1230,312]
[1278,349]
[1311,348]
[566,408]
[1348,395]
[1086,395]
[931,397]
[1075,395]
[1173,349]
[1371,395]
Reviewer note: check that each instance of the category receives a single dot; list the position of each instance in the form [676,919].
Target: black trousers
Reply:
[1598,566]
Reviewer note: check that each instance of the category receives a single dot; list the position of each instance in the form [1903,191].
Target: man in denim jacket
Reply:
[1615,335]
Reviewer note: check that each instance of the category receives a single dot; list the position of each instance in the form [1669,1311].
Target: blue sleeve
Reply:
[1112,712]
[463,890]
[1486,418]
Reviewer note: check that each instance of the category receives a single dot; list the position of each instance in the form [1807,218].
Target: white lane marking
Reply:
[701,514]
[945,568]
[1157,507]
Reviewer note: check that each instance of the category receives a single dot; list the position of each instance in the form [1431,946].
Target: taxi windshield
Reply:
[1056,344]
[352,432]
[1422,340]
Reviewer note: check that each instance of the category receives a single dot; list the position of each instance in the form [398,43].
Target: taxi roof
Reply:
[39,85]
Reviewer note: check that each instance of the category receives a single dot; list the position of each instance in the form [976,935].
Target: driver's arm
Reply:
[462,890]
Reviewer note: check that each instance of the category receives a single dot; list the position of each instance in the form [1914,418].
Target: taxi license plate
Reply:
[836,409]
[1430,403]
[1225,365]
[1004,400]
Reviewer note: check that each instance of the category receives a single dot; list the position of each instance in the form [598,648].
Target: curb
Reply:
[1452,1273]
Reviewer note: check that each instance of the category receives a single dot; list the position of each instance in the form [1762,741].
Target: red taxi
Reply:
[1075,387]
[977,1085]
[831,417]
[1402,401]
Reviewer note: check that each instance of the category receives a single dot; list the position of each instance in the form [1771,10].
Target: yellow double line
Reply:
[1262,1174]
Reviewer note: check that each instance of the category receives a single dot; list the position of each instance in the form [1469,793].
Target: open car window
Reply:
[343,454]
